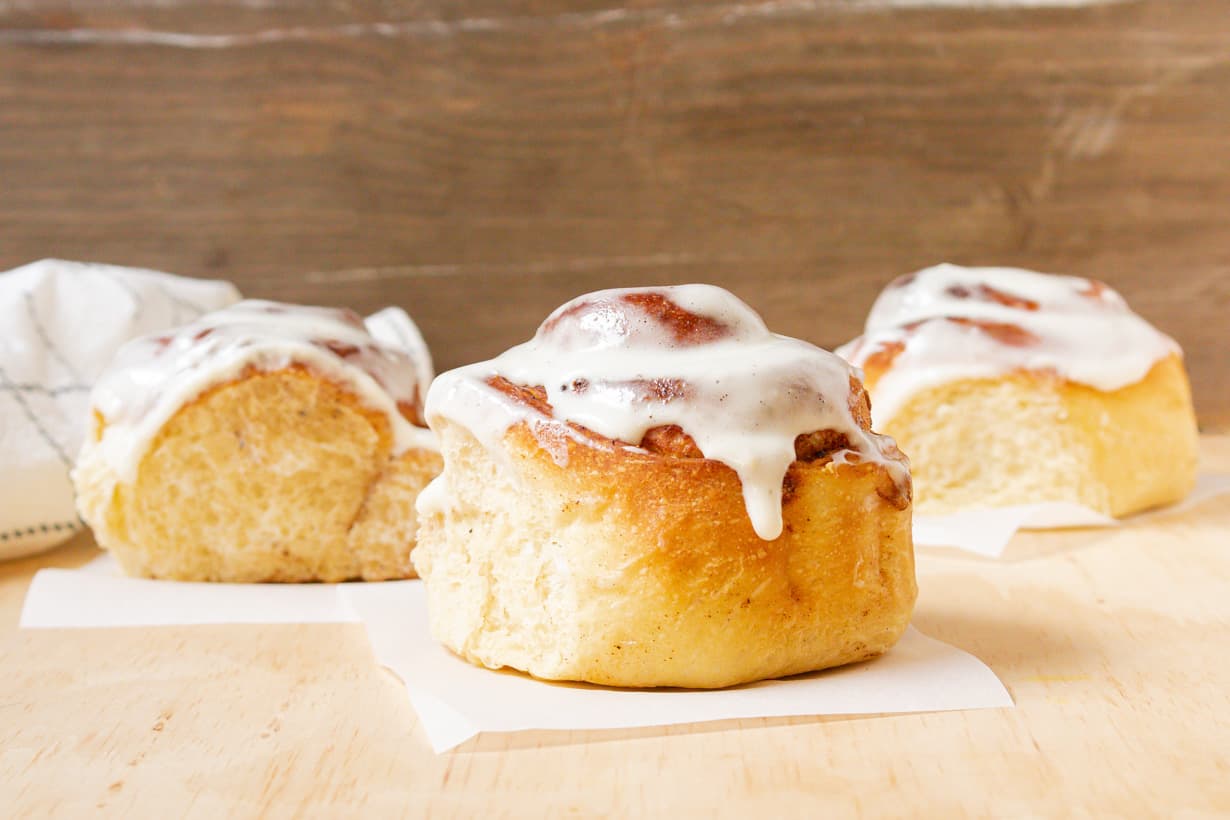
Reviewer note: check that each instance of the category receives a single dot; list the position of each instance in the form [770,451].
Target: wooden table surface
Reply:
[1111,642]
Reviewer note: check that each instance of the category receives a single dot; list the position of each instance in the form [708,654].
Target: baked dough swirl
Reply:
[1010,387]
[686,371]
[263,442]
[657,491]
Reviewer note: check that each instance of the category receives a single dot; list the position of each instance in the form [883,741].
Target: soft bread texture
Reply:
[1033,437]
[277,476]
[599,562]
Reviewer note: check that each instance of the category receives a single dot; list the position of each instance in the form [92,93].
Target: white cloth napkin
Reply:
[60,323]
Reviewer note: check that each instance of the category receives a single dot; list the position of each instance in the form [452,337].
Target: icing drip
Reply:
[947,323]
[624,362]
[385,364]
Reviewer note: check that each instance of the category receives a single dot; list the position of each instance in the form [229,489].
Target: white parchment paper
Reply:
[455,700]
[988,532]
[99,595]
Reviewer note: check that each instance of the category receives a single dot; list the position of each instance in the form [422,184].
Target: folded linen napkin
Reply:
[60,323]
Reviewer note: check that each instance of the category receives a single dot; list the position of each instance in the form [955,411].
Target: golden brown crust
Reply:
[630,568]
[672,440]
[860,403]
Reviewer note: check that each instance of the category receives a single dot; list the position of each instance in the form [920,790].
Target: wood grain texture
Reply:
[1109,641]
[479,162]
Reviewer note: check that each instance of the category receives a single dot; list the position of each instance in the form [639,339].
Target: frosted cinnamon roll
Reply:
[657,491]
[1012,387]
[263,442]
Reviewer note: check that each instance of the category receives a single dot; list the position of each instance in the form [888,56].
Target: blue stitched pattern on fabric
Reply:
[22,532]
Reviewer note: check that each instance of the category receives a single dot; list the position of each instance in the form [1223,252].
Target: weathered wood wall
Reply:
[478,162]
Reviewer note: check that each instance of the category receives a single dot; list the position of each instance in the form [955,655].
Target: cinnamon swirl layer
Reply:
[682,372]
[948,323]
[383,361]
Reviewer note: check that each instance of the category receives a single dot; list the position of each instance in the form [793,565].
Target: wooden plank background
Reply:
[478,162]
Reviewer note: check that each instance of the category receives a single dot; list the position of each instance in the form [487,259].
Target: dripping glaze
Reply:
[948,323]
[622,362]
[382,360]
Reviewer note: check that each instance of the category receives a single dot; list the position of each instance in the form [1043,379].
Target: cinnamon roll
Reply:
[657,491]
[263,442]
[1011,387]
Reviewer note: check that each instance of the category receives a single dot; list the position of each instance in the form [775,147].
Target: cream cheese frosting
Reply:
[621,362]
[383,361]
[947,323]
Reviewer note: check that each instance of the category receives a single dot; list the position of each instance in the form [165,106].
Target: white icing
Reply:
[748,393]
[1082,331]
[392,327]
[152,377]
